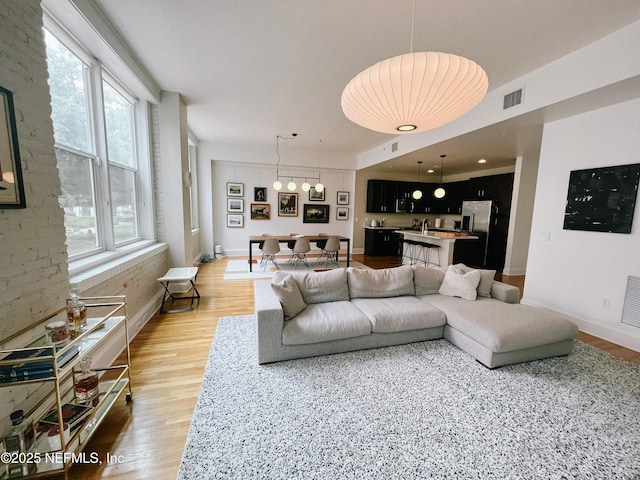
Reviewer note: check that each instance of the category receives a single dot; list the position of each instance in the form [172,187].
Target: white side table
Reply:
[182,275]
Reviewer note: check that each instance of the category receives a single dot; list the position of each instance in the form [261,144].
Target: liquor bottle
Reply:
[20,436]
[76,314]
[87,391]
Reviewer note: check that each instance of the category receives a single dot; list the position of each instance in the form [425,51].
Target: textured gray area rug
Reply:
[425,410]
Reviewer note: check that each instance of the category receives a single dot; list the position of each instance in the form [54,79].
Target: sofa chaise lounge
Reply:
[303,314]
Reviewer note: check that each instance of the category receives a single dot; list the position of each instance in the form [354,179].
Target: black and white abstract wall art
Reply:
[602,199]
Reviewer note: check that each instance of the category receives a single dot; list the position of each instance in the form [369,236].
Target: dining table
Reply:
[258,239]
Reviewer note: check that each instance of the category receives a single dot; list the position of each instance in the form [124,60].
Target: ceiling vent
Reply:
[394,147]
[512,99]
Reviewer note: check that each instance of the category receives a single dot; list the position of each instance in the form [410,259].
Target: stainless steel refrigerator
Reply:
[477,219]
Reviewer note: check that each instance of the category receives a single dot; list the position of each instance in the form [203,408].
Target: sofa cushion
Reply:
[289,296]
[427,280]
[503,327]
[459,284]
[386,282]
[323,322]
[399,314]
[486,279]
[319,287]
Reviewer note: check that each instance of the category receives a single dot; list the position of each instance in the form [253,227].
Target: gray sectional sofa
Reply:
[303,314]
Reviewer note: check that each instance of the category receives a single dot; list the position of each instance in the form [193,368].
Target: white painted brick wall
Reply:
[34,279]
[157,171]
[33,260]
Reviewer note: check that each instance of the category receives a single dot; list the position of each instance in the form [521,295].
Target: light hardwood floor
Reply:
[168,360]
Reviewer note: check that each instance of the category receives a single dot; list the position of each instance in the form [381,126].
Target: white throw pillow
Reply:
[290,297]
[459,284]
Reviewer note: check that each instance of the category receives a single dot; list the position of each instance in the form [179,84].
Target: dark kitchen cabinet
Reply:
[381,242]
[492,187]
[452,202]
[381,196]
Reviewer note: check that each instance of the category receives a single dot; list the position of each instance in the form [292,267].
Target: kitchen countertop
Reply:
[440,235]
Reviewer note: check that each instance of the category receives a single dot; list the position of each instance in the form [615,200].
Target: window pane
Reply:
[78,201]
[123,195]
[69,99]
[118,113]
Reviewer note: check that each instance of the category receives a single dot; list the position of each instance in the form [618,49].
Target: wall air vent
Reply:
[512,99]
[631,309]
[394,147]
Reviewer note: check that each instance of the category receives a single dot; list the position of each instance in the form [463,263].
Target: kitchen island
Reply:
[443,239]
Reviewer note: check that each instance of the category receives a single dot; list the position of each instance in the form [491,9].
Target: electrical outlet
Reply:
[604,302]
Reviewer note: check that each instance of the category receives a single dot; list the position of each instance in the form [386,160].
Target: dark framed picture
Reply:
[235,221]
[315,213]
[343,198]
[259,194]
[235,205]
[342,213]
[287,204]
[260,211]
[316,196]
[11,186]
[235,189]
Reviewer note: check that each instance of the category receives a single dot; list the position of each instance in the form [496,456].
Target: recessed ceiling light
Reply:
[482,160]
[430,170]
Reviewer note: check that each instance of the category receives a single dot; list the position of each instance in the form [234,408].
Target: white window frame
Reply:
[108,249]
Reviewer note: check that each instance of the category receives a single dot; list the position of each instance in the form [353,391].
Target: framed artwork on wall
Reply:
[287,204]
[342,213]
[316,196]
[235,205]
[315,213]
[260,211]
[343,198]
[11,186]
[602,199]
[259,194]
[235,189]
[235,221]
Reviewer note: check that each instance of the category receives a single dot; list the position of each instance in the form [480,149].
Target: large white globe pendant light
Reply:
[414,92]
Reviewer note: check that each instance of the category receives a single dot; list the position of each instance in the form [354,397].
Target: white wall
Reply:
[573,270]
[234,241]
[255,166]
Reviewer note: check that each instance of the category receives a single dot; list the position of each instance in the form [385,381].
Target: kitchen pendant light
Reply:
[440,192]
[417,193]
[414,92]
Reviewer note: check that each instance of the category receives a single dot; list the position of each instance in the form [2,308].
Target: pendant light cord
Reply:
[413,16]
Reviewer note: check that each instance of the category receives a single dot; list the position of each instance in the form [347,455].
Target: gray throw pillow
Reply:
[289,296]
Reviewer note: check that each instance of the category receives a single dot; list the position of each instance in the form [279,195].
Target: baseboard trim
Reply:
[620,334]
[115,346]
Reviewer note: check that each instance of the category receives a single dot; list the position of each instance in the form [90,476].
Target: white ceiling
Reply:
[253,69]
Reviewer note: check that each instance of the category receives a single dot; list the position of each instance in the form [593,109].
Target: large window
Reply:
[94,121]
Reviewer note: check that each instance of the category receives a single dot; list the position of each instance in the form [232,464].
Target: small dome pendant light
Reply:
[417,193]
[440,192]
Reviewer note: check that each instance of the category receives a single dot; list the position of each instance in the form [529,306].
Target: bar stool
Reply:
[426,255]
[409,250]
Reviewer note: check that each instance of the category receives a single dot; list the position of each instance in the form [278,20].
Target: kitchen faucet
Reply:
[425,223]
